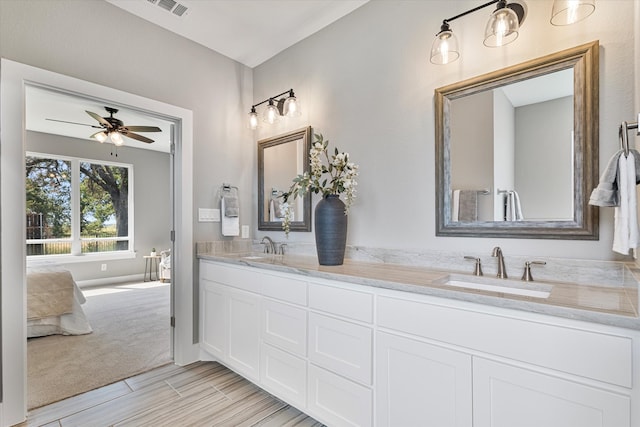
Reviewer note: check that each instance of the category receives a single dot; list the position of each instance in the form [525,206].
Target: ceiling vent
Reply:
[172,6]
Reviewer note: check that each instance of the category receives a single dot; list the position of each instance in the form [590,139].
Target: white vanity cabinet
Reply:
[420,384]
[355,355]
[230,326]
[463,364]
[340,354]
[506,396]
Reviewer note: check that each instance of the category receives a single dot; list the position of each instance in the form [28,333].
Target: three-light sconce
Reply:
[288,106]
[504,24]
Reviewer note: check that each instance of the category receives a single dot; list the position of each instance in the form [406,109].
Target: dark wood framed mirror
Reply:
[280,159]
[517,150]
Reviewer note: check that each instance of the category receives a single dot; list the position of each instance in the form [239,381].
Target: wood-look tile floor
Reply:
[201,394]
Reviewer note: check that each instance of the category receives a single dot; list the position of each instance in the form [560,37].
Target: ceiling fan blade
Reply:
[102,121]
[143,128]
[138,137]
[74,123]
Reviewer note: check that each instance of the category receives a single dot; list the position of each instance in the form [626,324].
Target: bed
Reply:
[54,303]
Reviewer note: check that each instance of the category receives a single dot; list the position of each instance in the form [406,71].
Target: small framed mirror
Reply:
[280,159]
[517,150]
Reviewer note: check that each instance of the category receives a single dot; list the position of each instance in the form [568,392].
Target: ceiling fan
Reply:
[114,129]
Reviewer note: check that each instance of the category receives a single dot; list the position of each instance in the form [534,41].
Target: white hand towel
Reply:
[230,225]
[455,206]
[625,236]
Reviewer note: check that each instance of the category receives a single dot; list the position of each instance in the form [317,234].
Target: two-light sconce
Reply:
[504,24]
[288,106]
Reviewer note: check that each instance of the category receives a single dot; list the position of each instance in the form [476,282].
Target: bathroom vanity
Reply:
[373,344]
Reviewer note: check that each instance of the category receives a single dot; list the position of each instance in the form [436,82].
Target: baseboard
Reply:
[109,280]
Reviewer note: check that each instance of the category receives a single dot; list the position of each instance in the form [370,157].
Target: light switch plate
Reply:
[245,231]
[208,215]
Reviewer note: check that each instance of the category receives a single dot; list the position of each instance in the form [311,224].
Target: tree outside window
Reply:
[101,208]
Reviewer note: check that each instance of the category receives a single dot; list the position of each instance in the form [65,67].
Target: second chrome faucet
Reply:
[502,271]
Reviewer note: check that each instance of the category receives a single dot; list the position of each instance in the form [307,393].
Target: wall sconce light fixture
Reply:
[567,12]
[287,106]
[504,25]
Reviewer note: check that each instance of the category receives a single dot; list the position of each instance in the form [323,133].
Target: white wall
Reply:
[367,84]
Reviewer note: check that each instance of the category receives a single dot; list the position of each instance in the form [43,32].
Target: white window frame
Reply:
[76,239]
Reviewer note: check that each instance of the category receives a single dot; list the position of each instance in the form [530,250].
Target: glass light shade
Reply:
[445,48]
[100,136]
[271,114]
[502,28]
[253,119]
[116,138]
[291,107]
[567,12]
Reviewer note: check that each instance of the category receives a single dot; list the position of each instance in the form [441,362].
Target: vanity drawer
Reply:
[283,288]
[342,347]
[236,277]
[342,302]
[548,345]
[284,326]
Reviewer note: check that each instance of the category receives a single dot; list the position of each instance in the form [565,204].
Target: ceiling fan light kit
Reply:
[114,129]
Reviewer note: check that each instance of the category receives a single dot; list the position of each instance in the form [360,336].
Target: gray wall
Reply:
[472,160]
[541,149]
[367,84]
[76,38]
[367,87]
[152,211]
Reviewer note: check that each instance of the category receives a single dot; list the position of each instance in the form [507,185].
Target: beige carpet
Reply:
[130,335]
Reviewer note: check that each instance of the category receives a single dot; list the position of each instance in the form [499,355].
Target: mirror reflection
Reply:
[499,176]
[280,159]
[516,150]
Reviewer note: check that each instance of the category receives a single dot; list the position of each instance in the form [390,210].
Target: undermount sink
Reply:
[498,285]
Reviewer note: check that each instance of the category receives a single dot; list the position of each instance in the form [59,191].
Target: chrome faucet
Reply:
[269,245]
[502,272]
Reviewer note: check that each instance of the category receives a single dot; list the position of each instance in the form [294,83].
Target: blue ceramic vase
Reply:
[331,230]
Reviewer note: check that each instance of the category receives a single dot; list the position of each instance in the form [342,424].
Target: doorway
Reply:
[14,77]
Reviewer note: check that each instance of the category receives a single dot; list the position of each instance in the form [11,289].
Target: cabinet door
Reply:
[506,396]
[213,318]
[421,384]
[284,375]
[337,401]
[243,310]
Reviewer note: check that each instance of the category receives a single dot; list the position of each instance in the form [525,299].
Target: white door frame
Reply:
[13,78]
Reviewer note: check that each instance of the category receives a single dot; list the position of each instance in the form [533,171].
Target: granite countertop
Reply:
[609,305]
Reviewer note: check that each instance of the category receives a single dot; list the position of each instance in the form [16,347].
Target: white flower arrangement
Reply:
[340,179]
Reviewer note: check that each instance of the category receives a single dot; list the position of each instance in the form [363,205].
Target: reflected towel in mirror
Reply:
[513,206]
[276,213]
[465,206]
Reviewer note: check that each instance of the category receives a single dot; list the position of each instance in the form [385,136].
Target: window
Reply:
[77,206]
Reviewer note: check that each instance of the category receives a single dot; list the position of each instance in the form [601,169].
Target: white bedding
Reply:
[73,323]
